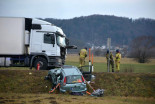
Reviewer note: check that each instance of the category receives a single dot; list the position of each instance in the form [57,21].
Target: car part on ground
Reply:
[98,93]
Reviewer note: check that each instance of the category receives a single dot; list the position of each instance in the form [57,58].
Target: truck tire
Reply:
[42,62]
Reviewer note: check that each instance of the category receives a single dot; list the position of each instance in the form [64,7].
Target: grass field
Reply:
[100,65]
[127,64]
[13,98]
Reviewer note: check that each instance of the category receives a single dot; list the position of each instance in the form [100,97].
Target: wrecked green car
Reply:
[69,78]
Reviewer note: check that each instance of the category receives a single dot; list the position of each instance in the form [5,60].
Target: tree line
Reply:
[95,29]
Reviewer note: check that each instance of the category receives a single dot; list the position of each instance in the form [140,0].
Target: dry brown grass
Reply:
[16,98]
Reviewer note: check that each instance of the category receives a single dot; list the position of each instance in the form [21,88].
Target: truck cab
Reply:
[47,45]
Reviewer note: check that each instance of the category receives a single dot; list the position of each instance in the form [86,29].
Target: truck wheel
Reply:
[42,62]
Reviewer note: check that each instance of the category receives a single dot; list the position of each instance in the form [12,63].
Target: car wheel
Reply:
[42,62]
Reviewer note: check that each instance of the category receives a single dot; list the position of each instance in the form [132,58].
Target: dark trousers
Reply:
[111,63]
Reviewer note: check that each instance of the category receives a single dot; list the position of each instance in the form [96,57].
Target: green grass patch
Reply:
[139,68]
[16,68]
[136,68]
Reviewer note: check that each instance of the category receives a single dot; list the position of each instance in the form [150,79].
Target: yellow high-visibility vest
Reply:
[83,53]
[118,57]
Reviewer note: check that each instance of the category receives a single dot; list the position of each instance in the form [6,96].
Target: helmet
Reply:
[117,50]
[107,51]
[85,48]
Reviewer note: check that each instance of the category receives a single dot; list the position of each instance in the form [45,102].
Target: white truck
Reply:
[29,42]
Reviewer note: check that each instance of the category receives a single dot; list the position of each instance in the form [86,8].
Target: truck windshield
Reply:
[74,79]
[61,41]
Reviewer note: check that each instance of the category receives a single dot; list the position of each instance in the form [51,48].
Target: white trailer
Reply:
[29,42]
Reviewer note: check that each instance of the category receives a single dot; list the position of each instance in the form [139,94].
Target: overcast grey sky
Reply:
[66,9]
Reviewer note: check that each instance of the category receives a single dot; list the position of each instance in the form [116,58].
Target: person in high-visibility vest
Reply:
[117,60]
[110,60]
[83,55]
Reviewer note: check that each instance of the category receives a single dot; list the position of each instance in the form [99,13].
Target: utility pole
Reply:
[108,47]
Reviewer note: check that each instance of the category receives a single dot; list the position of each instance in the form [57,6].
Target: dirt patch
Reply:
[74,98]
[53,102]
[67,100]
[1,98]
[36,96]
[23,102]
[20,97]
[36,101]
[13,97]
[2,102]
[9,100]
[50,98]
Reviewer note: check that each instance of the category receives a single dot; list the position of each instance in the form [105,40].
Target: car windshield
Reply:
[61,41]
[74,79]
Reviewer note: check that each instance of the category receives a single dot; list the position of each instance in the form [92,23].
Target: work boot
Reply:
[112,70]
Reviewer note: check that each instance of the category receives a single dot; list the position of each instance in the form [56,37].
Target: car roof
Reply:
[71,70]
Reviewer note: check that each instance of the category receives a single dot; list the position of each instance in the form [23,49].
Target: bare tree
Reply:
[142,48]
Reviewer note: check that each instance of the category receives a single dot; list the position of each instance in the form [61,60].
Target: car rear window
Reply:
[74,79]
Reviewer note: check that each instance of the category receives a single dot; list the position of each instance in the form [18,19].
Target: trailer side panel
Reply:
[12,32]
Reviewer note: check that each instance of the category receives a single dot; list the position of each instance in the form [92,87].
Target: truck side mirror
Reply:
[53,39]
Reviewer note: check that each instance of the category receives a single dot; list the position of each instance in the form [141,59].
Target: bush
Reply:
[143,48]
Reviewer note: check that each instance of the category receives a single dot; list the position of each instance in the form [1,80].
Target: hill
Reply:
[95,29]
[115,84]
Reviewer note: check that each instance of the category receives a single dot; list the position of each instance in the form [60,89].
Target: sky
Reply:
[67,9]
